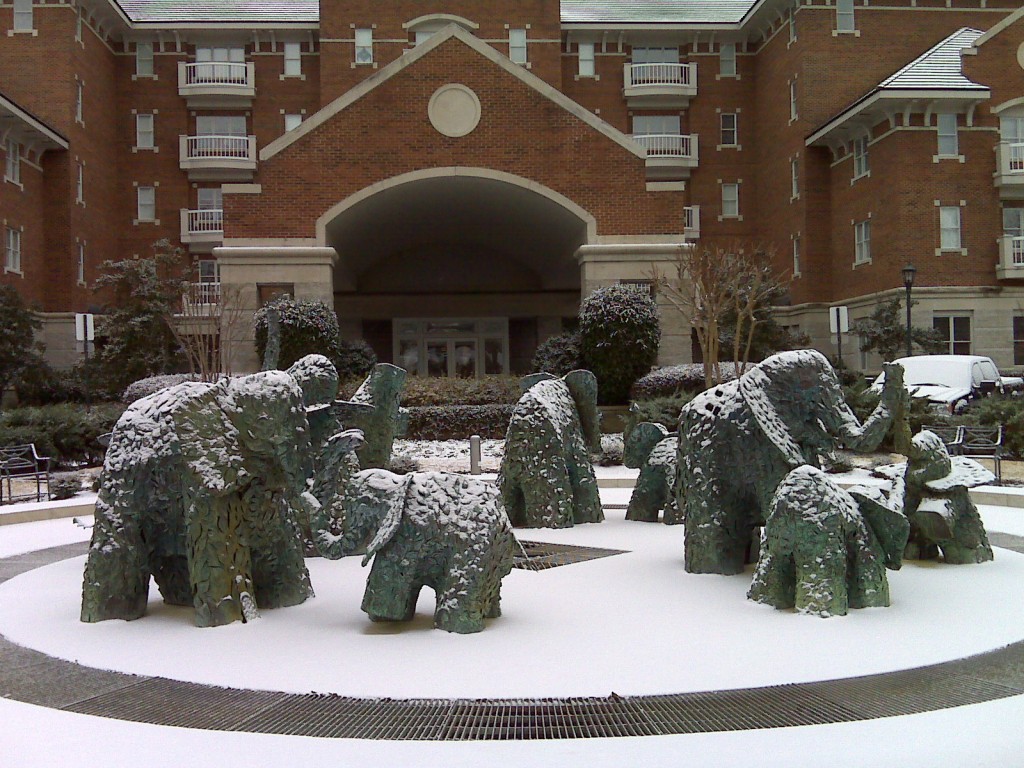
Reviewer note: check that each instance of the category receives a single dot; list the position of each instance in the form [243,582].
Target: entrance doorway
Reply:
[452,347]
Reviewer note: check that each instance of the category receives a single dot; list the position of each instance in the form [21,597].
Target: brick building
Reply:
[453,176]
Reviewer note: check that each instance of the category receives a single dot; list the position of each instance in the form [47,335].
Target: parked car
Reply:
[951,381]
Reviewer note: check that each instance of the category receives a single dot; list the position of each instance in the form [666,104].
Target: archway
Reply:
[455,271]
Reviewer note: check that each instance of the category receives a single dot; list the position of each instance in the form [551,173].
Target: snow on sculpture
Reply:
[653,450]
[384,420]
[938,505]
[546,478]
[202,489]
[737,441]
[441,530]
[822,554]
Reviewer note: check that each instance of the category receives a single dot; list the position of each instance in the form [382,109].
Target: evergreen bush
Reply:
[66,433]
[307,327]
[673,379]
[458,422]
[660,410]
[65,486]
[18,325]
[353,358]
[619,335]
[152,384]
[558,355]
[435,391]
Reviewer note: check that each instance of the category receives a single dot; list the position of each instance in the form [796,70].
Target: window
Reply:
[794,178]
[364,46]
[79,98]
[727,60]
[948,143]
[209,271]
[792,100]
[796,255]
[792,27]
[949,228]
[1011,129]
[844,16]
[861,166]
[292,59]
[210,198]
[291,122]
[586,68]
[13,257]
[81,263]
[862,242]
[1018,340]
[644,55]
[220,65]
[517,45]
[147,203]
[22,15]
[422,35]
[144,131]
[143,59]
[955,331]
[1013,222]
[729,129]
[220,125]
[80,185]
[730,201]
[655,125]
[13,169]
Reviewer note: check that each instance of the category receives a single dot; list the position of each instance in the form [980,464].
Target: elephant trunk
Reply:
[891,408]
[331,522]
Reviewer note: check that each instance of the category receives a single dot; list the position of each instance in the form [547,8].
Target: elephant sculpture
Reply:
[825,550]
[202,488]
[546,477]
[652,449]
[938,505]
[738,440]
[441,530]
[381,419]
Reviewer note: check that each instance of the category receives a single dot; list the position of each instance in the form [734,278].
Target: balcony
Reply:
[217,85]
[691,222]
[1009,175]
[1011,258]
[200,300]
[218,158]
[203,229]
[669,155]
[659,85]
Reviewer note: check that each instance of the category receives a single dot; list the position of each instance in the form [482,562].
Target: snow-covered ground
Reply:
[630,623]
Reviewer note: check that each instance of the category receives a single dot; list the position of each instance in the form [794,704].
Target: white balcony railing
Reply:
[691,220]
[209,221]
[226,147]
[639,75]
[1009,175]
[217,73]
[200,300]
[668,145]
[1011,258]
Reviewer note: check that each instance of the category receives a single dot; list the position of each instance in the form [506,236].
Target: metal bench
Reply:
[21,463]
[953,437]
[984,443]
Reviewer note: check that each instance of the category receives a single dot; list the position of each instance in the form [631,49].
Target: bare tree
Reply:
[209,328]
[714,285]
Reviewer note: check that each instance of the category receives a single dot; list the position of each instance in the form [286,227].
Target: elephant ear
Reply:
[534,378]
[209,441]
[582,385]
[641,441]
[391,521]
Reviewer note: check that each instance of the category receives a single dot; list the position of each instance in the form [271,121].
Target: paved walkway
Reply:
[35,678]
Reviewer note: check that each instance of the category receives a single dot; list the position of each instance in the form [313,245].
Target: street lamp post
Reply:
[908,282]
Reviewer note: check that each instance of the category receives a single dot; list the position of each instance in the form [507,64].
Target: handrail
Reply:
[235,147]
[667,144]
[660,73]
[217,73]
[206,220]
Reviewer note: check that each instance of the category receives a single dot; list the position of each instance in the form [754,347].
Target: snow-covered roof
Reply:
[935,74]
[654,11]
[172,11]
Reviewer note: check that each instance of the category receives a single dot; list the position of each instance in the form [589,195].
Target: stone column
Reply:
[609,262]
[306,272]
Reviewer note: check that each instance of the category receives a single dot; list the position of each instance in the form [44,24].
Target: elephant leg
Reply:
[279,569]
[586,498]
[970,541]
[716,542]
[464,596]
[220,565]
[170,572]
[821,576]
[548,495]
[647,499]
[513,498]
[391,589]
[116,582]
[774,581]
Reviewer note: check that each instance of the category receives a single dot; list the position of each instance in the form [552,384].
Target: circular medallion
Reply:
[1020,55]
[454,110]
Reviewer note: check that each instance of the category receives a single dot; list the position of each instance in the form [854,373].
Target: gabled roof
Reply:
[934,75]
[172,11]
[655,11]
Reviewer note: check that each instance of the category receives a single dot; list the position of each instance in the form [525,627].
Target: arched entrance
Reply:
[456,271]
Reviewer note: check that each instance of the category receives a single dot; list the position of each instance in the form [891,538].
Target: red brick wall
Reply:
[22,208]
[387,133]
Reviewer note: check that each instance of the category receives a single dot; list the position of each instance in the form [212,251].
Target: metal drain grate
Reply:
[540,555]
[525,720]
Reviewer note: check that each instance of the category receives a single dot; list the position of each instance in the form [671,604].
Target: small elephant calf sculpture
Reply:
[820,554]
[652,448]
[445,531]
[546,478]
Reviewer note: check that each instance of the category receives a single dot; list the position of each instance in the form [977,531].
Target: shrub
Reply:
[65,486]
[17,329]
[307,327]
[995,410]
[672,379]
[353,358]
[612,449]
[403,464]
[65,433]
[619,335]
[489,390]
[558,355]
[660,410]
[458,422]
[145,387]
[862,402]
[40,384]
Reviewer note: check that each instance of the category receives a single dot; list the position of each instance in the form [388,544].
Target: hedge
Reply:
[458,422]
[66,433]
[672,379]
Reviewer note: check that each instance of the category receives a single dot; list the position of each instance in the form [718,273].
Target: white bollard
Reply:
[474,455]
